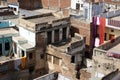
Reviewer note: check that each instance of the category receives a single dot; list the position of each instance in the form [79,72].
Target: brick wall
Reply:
[34,4]
[85,29]
[30,4]
[113,1]
[55,3]
[82,28]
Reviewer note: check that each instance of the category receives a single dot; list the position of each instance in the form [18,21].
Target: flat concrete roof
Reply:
[4,59]
[64,45]
[25,44]
[8,31]
[27,13]
[44,10]
[42,19]
[116,18]
[115,49]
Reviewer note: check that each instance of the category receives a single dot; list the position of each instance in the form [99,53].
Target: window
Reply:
[77,6]
[73,59]
[112,30]
[42,56]
[49,37]
[86,13]
[49,58]
[7,46]
[0,49]
[15,9]
[56,60]
[81,5]
[105,36]
[64,33]
[23,53]
[30,55]
[31,69]
[56,36]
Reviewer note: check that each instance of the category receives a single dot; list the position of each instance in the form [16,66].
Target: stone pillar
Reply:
[45,39]
[67,32]
[60,34]
[53,34]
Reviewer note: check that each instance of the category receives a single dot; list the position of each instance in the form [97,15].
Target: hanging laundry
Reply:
[102,29]
[23,62]
[97,41]
[17,63]
[113,54]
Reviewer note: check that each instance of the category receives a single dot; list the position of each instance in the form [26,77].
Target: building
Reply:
[110,26]
[6,40]
[7,2]
[49,4]
[52,76]
[115,75]
[9,12]
[85,28]
[106,58]
[56,4]
[46,43]
[27,4]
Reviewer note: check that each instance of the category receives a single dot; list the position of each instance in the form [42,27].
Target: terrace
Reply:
[109,49]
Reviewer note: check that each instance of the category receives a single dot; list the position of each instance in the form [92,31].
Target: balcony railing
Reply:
[110,14]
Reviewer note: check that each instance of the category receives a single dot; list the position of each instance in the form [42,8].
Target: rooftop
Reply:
[63,46]
[24,44]
[27,13]
[53,76]
[8,31]
[115,49]
[4,59]
[116,18]
[44,10]
[43,19]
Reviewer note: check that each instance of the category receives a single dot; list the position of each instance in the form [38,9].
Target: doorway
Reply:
[111,36]
[77,6]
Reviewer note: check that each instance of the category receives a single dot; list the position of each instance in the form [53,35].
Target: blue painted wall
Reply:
[4,24]
[3,40]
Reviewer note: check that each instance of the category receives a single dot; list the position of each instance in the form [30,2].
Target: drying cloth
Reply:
[102,29]
[113,54]
[23,62]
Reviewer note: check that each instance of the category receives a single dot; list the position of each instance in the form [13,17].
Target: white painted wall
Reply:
[73,4]
[28,35]
[92,10]
[88,7]
[16,7]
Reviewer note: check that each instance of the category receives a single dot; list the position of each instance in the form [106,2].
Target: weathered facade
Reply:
[48,46]
[6,2]
[50,4]
[56,4]
[106,58]
[84,28]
